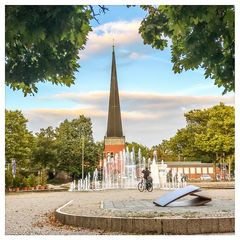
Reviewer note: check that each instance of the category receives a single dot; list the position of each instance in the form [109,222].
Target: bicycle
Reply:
[148,186]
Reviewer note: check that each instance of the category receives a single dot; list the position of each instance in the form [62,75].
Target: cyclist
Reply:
[146,174]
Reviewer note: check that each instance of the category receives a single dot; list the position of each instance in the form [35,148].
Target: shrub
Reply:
[32,180]
[8,179]
[16,181]
[43,178]
[25,182]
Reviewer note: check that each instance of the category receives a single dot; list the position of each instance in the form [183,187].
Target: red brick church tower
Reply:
[114,141]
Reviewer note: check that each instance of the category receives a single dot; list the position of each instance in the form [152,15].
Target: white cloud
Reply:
[123,32]
[147,117]
[135,55]
[125,36]
[142,101]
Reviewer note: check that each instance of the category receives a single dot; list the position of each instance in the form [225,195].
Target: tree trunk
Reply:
[229,171]
[214,167]
[214,170]
[229,167]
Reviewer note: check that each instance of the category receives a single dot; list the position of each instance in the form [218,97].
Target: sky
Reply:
[153,99]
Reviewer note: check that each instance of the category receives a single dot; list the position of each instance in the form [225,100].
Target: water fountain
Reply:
[163,175]
[154,171]
[124,170]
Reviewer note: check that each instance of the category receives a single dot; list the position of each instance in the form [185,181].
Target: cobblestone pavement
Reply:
[29,213]
[146,208]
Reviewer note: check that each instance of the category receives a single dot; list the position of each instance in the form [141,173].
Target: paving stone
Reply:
[25,210]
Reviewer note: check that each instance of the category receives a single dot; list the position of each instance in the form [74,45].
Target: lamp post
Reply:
[13,168]
[223,166]
[83,155]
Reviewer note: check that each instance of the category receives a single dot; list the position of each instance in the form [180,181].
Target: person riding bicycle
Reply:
[146,175]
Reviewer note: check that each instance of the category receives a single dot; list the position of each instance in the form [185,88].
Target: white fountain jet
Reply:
[154,170]
[122,171]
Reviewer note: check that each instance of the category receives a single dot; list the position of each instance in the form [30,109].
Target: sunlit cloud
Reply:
[125,36]
[143,100]
[120,33]
[146,117]
[135,55]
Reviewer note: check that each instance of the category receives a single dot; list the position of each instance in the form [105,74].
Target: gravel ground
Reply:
[31,213]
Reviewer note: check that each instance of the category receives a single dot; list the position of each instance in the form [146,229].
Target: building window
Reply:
[180,170]
[204,170]
[192,170]
[210,170]
[186,170]
[199,170]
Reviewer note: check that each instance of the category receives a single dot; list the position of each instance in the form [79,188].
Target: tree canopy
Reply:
[199,36]
[71,138]
[208,136]
[45,151]
[52,149]
[42,44]
[215,133]
[134,146]
[19,141]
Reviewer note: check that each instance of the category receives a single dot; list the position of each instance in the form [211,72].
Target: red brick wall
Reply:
[113,148]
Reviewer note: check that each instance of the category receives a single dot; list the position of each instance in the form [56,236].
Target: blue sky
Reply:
[153,98]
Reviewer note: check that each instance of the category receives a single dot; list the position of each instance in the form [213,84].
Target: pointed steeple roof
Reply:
[114,126]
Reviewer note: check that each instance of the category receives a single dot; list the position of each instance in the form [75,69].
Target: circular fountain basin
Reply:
[129,211]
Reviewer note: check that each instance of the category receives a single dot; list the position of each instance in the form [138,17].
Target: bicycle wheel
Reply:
[149,187]
[140,187]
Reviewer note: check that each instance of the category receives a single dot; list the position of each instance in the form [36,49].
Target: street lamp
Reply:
[13,167]
[83,154]
[223,166]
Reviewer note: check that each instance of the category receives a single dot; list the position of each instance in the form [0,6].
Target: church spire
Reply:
[114,126]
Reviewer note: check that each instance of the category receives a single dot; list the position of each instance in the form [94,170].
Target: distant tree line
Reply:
[208,137]
[52,149]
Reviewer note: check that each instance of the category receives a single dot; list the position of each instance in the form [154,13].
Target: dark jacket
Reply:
[146,173]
